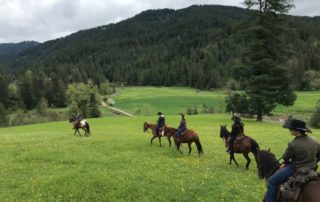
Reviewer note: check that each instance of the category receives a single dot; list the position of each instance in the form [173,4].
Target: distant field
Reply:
[170,100]
[46,162]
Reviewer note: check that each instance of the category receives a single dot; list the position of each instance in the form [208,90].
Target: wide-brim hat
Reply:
[181,114]
[236,118]
[296,124]
[159,113]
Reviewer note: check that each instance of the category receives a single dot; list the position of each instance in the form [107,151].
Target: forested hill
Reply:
[10,50]
[198,46]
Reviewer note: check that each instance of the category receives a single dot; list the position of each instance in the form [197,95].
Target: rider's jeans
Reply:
[275,180]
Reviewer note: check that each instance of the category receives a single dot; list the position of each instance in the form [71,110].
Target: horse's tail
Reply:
[88,127]
[254,148]
[199,147]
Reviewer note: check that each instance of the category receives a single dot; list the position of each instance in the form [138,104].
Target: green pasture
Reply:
[172,100]
[46,162]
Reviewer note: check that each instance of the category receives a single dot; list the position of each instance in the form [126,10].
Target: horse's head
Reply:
[267,164]
[224,133]
[72,119]
[145,126]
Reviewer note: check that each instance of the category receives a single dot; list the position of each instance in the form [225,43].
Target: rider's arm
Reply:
[288,154]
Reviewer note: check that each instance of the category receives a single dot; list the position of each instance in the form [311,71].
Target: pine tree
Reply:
[268,82]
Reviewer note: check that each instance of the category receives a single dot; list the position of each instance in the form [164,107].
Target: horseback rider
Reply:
[302,152]
[79,118]
[237,128]
[182,127]
[160,123]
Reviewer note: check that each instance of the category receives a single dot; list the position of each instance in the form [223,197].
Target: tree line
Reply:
[199,46]
[263,52]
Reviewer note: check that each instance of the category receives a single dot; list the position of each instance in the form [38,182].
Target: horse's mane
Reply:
[268,162]
[224,133]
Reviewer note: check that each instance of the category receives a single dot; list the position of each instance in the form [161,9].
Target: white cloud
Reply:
[43,20]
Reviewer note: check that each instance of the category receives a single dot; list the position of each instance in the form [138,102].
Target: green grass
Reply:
[46,162]
[170,100]
[173,100]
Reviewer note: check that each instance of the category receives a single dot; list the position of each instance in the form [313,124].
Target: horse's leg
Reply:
[152,139]
[232,158]
[160,140]
[169,139]
[189,145]
[178,146]
[248,160]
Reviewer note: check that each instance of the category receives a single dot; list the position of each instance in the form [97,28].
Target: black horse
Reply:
[268,164]
[84,125]
[244,145]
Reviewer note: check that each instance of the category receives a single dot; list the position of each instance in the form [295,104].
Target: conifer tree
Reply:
[268,82]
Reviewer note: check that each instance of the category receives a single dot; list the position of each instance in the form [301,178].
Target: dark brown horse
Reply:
[152,127]
[84,125]
[188,136]
[267,165]
[244,145]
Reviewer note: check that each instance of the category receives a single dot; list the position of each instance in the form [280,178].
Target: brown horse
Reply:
[267,165]
[84,125]
[188,136]
[244,145]
[152,127]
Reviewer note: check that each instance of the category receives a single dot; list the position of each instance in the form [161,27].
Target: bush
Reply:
[42,106]
[192,111]
[22,118]
[315,118]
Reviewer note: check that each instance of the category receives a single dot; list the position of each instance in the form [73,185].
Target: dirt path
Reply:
[115,110]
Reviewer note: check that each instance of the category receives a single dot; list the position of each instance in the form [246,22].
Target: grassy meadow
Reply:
[47,162]
[172,100]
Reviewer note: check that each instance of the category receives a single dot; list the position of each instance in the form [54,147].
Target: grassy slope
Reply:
[46,162]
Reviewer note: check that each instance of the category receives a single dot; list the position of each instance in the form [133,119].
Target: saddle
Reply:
[161,130]
[290,190]
[238,138]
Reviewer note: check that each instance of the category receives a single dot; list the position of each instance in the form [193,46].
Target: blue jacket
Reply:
[183,125]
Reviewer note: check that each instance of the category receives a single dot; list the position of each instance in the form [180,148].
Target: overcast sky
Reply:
[42,20]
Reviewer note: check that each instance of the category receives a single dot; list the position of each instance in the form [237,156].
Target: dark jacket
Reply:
[79,117]
[237,128]
[183,125]
[302,152]
[161,121]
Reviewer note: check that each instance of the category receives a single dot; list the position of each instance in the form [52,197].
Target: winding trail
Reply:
[116,110]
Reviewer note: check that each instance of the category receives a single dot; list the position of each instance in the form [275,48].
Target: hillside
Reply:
[198,46]
[10,50]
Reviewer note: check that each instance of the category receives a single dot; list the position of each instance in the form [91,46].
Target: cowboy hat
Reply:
[159,113]
[296,124]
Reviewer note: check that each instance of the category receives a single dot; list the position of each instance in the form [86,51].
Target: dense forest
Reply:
[203,47]
[197,46]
